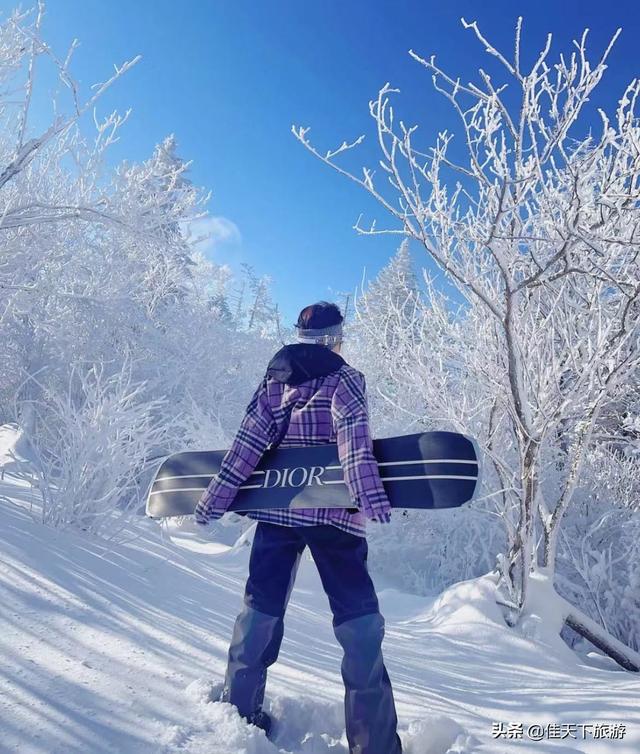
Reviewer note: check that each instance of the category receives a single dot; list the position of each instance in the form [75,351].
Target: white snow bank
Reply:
[437,734]
[14,448]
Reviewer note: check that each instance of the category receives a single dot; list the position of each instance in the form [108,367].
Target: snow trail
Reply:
[120,650]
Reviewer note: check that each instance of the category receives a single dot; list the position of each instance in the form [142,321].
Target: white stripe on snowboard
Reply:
[333,481]
[384,463]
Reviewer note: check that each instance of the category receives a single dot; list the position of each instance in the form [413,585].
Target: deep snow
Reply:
[120,650]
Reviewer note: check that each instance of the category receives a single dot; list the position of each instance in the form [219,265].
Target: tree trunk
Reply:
[590,630]
[550,539]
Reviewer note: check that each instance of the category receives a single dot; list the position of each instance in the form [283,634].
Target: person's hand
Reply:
[205,513]
[379,511]
[201,513]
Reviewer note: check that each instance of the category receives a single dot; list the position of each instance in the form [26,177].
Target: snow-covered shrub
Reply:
[90,446]
[424,552]
[599,552]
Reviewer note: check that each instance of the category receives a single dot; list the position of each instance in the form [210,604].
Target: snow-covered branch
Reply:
[537,228]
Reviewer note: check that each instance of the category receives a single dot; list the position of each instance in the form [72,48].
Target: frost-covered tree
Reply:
[395,289]
[44,201]
[114,332]
[166,197]
[252,304]
[384,316]
[211,283]
[599,547]
[535,223]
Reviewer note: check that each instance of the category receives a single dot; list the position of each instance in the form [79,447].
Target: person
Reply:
[310,396]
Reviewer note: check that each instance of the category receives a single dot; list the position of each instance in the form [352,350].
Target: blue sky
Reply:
[230,78]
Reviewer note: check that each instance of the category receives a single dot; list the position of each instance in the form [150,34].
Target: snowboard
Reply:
[428,470]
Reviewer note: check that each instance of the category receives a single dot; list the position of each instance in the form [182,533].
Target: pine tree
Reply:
[385,324]
[391,298]
[397,279]
[254,307]
[165,194]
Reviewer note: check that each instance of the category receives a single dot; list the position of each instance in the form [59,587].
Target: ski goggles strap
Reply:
[324,336]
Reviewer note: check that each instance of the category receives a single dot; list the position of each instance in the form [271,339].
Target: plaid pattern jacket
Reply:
[330,408]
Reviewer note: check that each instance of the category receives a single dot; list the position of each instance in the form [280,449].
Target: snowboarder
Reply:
[310,396]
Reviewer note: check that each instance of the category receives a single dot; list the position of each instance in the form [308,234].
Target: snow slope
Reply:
[121,649]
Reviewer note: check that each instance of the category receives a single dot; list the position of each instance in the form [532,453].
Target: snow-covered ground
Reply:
[120,650]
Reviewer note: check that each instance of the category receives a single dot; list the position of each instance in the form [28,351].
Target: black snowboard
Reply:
[425,470]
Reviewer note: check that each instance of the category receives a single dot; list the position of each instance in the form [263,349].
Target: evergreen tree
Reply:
[166,197]
[255,310]
[390,300]
[385,324]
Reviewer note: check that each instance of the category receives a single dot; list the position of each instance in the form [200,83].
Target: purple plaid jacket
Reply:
[327,403]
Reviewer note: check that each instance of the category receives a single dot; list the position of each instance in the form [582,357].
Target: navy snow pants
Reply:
[341,559]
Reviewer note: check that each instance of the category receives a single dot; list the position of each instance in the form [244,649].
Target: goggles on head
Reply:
[326,336]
